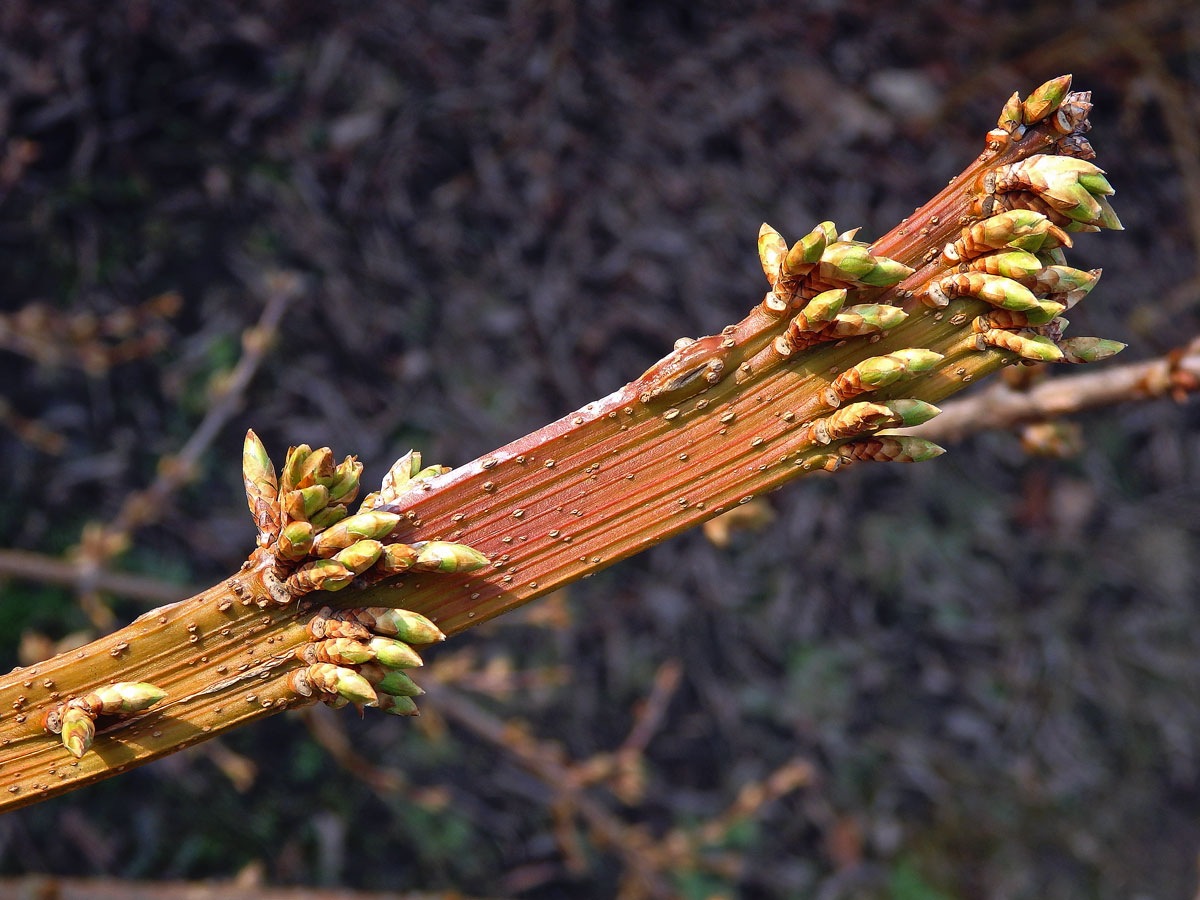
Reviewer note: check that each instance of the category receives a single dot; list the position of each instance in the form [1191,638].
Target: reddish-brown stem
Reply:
[621,474]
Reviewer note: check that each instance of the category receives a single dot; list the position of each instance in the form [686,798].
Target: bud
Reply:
[846,261]
[123,697]
[879,371]
[994,289]
[1020,229]
[771,250]
[857,418]
[891,448]
[394,654]
[443,556]
[339,651]
[399,475]
[390,681]
[78,731]
[864,318]
[1007,263]
[1045,99]
[302,503]
[907,412]
[806,252]
[293,463]
[430,472]
[324,625]
[1108,215]
[1090,349]
[397,706]
[317,468]
[1033,347]
[403,624]
[359,556]
[1052,257]
[319,575]
[1011,116]
[330,515]
[295,541]
[344,485]
[262,489]
[371,526]
[1065,182]
[1046,311]
[1060,279]
[339,680]
[816,314]
[396,558]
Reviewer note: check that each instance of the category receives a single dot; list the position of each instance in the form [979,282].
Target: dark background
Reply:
[988,665]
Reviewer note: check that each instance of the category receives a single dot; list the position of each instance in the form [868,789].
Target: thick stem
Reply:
[621,474]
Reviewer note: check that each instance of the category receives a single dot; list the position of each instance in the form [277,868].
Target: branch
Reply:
[1176,374]
[850,340]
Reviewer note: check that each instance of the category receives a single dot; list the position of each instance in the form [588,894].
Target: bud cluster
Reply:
[1009,257]
[359,656]
[304,520]
[75,720]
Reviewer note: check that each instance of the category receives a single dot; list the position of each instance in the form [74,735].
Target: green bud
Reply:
[313,498]
[431,472]
[293,465]
[866,318]
[359,556]
[908,412]
[320,575]
[1096,183]
[1033,347]
[1011,115]
[806,251]
[1045,99]
[1009,263]
[917,359]
[844,261]
[394,654]
[403,624]
[443,556]
[398,684]
[771,250]
[295,540]
[124,697]
[344,486]
[886,272]
[353,687]
[371,526]
[330,515]
[994,289]
[824,306]
[1090,349]
[1045,312]
[398,706]
[257,469]
[317,468]
[78,731]
[914,449]
[396,558]
[1108,216]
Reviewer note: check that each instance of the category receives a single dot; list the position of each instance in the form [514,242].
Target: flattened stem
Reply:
[571,528]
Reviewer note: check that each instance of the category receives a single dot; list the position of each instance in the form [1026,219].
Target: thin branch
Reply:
[999,406]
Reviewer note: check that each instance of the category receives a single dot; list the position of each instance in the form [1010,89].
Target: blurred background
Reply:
[380,226]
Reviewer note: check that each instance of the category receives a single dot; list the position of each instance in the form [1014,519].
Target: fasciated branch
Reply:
[851,341]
